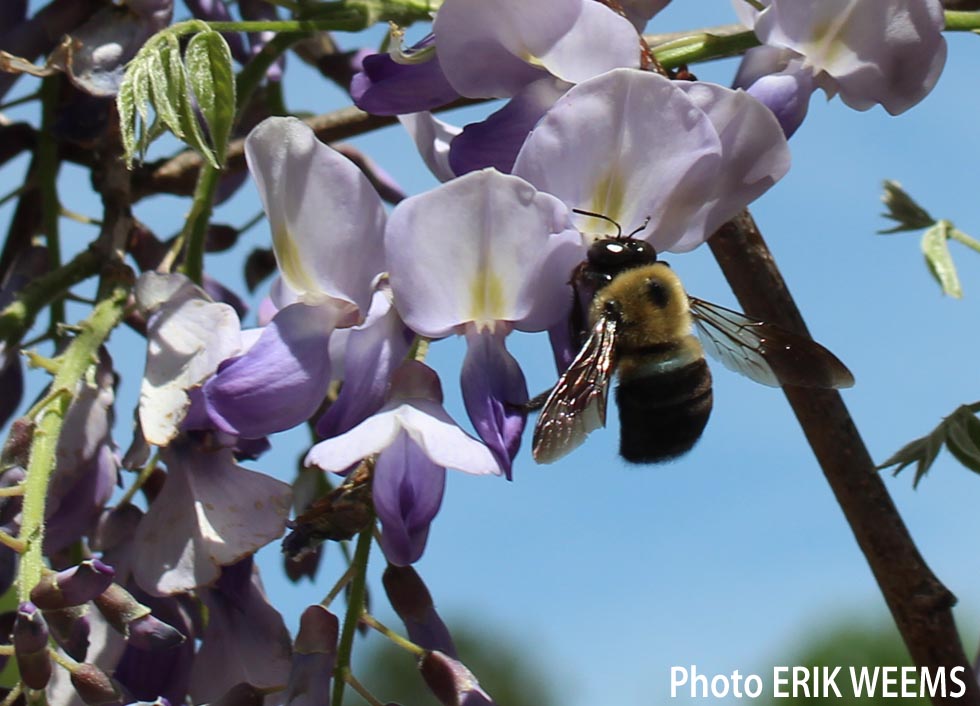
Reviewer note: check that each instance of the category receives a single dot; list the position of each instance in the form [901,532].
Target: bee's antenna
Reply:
[619,230]
[647,221]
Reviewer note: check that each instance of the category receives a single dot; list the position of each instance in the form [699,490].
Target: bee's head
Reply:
[610,255]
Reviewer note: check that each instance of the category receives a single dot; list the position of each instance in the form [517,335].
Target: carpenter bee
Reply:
[639,325]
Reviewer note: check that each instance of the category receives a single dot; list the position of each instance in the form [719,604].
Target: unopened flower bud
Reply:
[151,633]
[119,607]
[70,628]
[451,682]
[314,656]
[94,686]
[412,601]
[73,586]
[31,646]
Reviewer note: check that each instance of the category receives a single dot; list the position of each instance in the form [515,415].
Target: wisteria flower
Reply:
[329,269]
[675,159]
[210,513]
[480,256]
[529,52]
[416,441]
[889,52]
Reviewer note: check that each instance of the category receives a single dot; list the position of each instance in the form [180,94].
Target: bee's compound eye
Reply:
[657,293]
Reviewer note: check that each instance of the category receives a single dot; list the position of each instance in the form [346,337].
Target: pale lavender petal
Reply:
[495,141]
[432,138]
[754,157]
[889,52]
[416,408]
[300,179]
[407,490]
[187,337]
[571,39]
[372,353]
[96,58]
[281,381]
[245,639]
[385,87]
[599,150]
[210,513]
[494,392]
[471,250]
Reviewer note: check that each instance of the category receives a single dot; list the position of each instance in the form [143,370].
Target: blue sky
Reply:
[608,575]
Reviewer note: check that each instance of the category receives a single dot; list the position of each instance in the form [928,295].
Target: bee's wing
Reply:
[577,405]
[764,352]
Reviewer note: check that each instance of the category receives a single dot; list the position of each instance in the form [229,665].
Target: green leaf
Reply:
[902,209]
[167,77]
[935,247]
[963,438]
[921,451]
[212,79]
[126,105]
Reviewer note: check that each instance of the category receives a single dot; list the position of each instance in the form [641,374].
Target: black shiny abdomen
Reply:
[662,414]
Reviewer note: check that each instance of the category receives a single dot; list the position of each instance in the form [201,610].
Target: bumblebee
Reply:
[639,325]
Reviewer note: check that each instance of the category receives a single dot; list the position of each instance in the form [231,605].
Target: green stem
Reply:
[703,46]
[397,639]
[48,165]
[957,21]
[78,357]
[355,608]
[961,237]
[196,227]
[18,317]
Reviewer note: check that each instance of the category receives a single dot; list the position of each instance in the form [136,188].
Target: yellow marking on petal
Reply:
[487,301]
[291,263]
[529,58]
[608,196]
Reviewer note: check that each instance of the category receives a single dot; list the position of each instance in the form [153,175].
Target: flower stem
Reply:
[78,357]
[958,21]
[19,315]
[196,227]
[961,237]
[406,645]
[355,608]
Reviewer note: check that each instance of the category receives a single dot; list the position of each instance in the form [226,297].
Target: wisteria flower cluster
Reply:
[152,593]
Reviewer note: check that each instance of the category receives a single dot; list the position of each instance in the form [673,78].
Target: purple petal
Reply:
[210,513]
[412,601]
[279,382]
[407,491]
[245,640]
[787,95]
[494,392]
[148,674]
[495,141]
[640,12]
[73,586]
[373,351]
[385,87]
[451,682]
[314,656]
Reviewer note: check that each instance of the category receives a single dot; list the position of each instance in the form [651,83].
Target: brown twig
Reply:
[919,602]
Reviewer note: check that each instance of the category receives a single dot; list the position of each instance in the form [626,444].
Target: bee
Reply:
[639,326]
